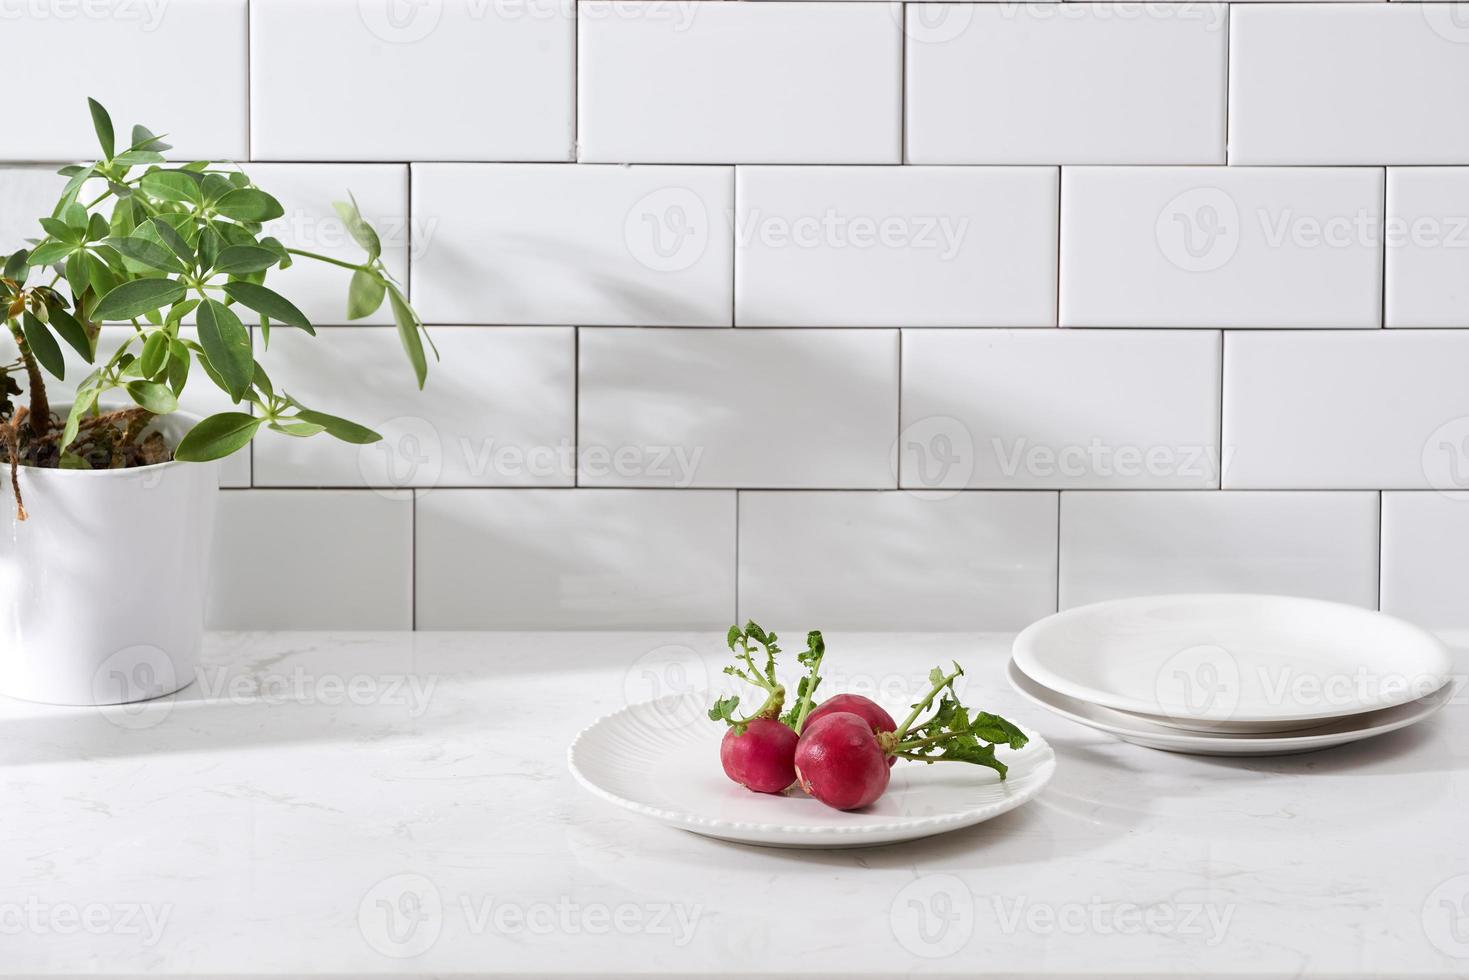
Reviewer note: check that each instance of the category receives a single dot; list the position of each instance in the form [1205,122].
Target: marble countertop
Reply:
[392,803]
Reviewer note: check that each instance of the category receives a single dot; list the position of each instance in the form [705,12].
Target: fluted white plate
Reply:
[1238,663]
[661,759]
[1131,728]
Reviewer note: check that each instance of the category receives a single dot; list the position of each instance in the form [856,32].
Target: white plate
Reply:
[1132,729]
[661,759]
[1232,662]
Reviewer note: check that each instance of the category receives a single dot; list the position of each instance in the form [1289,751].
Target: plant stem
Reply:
[922,706]
[40,404]
[328,259]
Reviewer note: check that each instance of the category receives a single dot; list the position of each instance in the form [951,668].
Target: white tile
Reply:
[575,559]
[1348,83]
[306,192]
[1066,83]
[1061,409]
[576,245]
[895,246]
[497,409]
[737,408]
[1428,247]
[896,561]
[27,194]
[1344,409]
[708,82]
[383,80]
[1123,543]
[1221,247]
[201,396]
[317,559]
[1425,538]
[175,66]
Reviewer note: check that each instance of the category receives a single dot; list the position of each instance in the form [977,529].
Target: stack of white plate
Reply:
[1232,674]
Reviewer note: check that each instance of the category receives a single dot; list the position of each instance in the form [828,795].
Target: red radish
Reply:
[761,759]
[864,708]
[840,762]
[856,704]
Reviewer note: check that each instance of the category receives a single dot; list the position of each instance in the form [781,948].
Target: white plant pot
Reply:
[102,590]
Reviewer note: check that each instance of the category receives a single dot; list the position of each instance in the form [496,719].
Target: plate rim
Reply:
[699,824]
[1180,739]
[1022,651]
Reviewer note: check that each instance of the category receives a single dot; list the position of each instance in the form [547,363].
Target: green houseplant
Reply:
[139,243]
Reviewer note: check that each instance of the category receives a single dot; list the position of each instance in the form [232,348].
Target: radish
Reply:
[865,708]
[759,750]
[843,761]
[840,762]
[763,758]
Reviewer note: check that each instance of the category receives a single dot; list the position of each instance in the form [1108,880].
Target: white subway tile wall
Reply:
[774,309]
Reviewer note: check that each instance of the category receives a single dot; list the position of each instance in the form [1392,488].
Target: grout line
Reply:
[1228,56]
[1382,244]
[898,438]
[413,560]
[1380,496]
[903,84]
[575,405]
[1219,482]
[738,497]
[1057,594]
[249,83]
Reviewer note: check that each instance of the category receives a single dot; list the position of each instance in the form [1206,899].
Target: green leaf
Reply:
[60,230]
[217,436]
[155,354]
[408,335]
[178,186]
[102,123]
[249,204]
[146,254]
[342,429]
[96,228]
[143,139]
[241,260]
[82,403]
[267,302]
[138,297]
[17,265]
[155,397]
[43,345]
[226,344]
[178,365]
[169,235]
[362,233]
[365,294]
[51,253]
[71,331]
[73,188]
[298,429]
